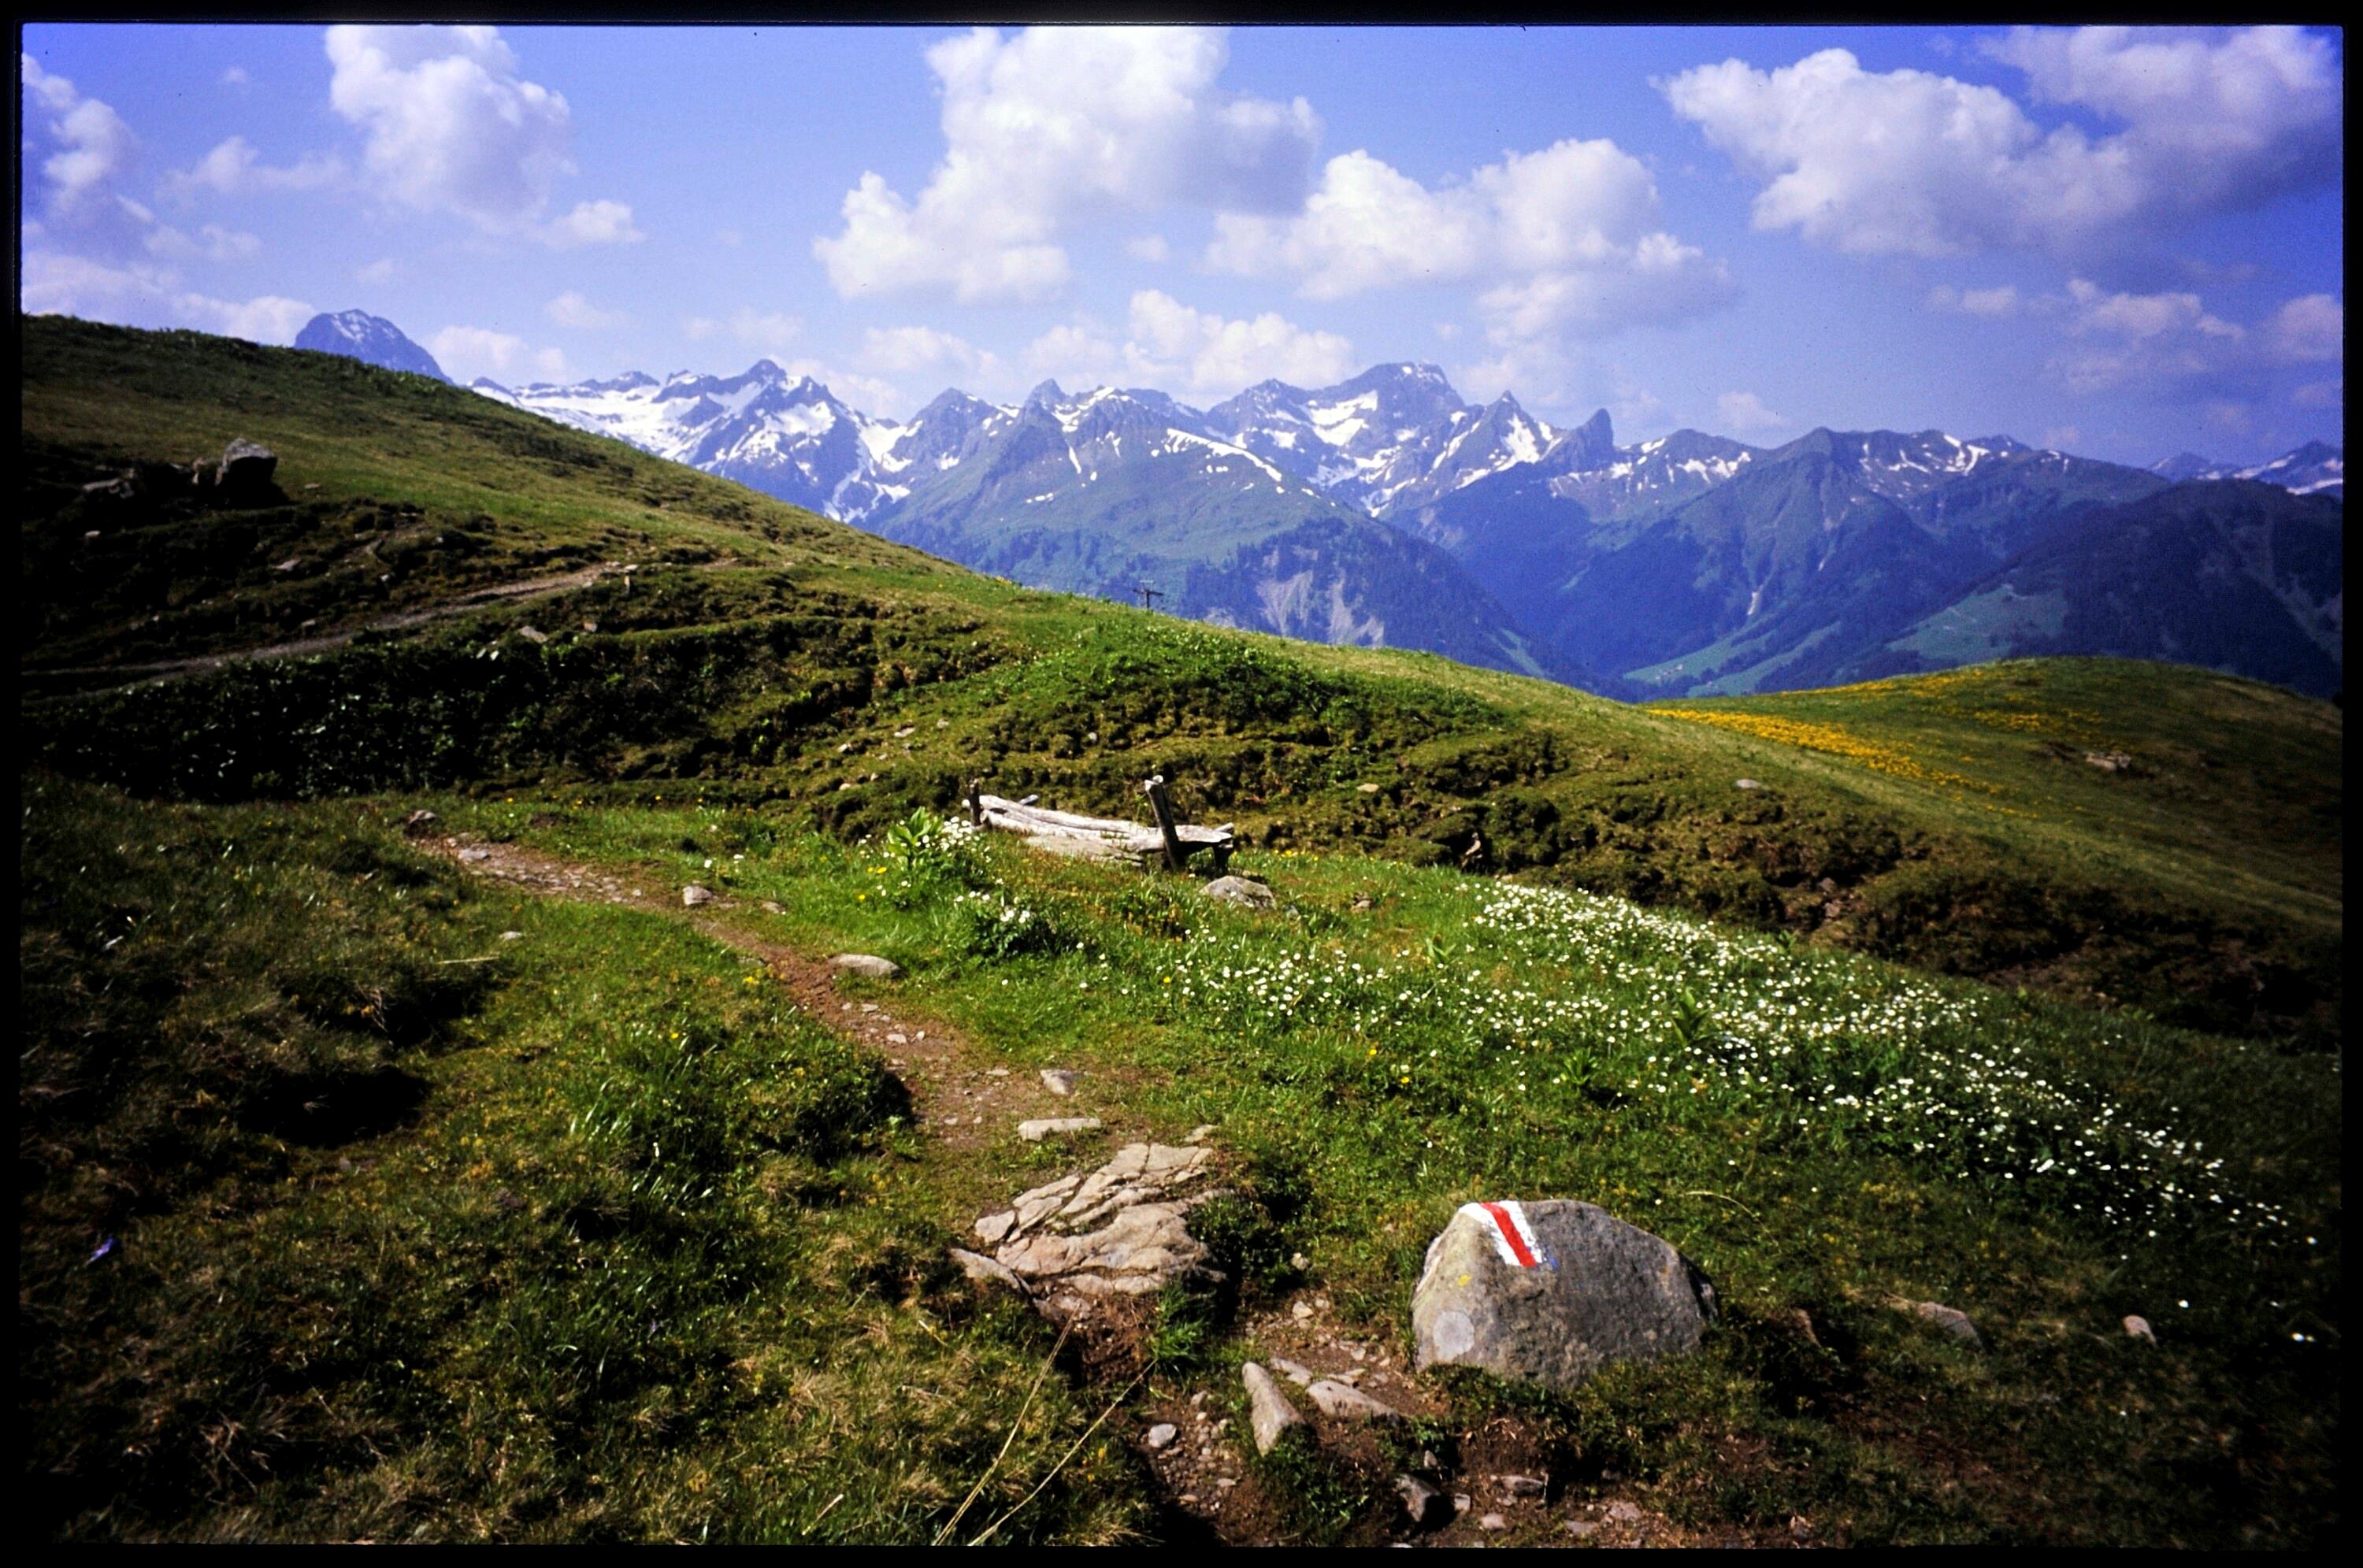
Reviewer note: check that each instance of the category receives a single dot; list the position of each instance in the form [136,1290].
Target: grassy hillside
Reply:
[369,1196]
[776,655]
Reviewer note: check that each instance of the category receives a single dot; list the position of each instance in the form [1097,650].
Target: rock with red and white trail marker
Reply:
[1552,1291]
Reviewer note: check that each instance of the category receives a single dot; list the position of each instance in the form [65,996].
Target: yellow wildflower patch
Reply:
[1829,739]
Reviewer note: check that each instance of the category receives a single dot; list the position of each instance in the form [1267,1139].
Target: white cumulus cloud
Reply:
[233,168]
[1745,412]
[91,144]
[271,319]
[1049,124]
[1177,348]
[211,243]
[2001,300]
[57,282]
[1571,234]
[2171,343]
[2309,329]
[902,350]
[144,294]
[572,309]
[592,223]
[467,352]
[1911,162]
[450,124]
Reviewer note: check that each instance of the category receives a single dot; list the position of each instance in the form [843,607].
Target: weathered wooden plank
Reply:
[1102,838]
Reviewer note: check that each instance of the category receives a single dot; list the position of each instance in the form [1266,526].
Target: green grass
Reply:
[1820,1131]
[687,1346]
[421,1233]
[774,654]
[595,1240]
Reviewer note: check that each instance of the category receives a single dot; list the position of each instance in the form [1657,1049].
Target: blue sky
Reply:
[2123,242]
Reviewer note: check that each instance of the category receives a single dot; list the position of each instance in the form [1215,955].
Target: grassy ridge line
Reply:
[2230,791]
[355,430]
[776,637]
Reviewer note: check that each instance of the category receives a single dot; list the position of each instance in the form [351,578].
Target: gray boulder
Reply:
[1552,1291]
[866,964]
[694,895]
[1240,891]
[244,474]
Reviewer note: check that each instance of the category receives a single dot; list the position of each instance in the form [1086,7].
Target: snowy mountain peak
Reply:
[2185,466]
[372,339]
[2315,469]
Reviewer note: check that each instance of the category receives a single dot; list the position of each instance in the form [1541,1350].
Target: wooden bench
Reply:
[1169,844]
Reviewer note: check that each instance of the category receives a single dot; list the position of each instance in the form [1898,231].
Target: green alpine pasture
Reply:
[347,1213]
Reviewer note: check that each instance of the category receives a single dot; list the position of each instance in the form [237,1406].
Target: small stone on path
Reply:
[1349,1403]
[1952,1320]
[473,855]
[1057,1080]
[1201,1133]
[1162,1435]
[1240,891]
[1524,1485]
[976,1265]
[1746,784]
[1493,1521]
[511,936]
[1055,1126]
[1423,1504]
[1295,1373]
[694,895]
[1268,1411]
[869,964]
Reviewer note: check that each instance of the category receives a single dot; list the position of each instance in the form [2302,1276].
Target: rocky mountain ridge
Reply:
[1386,510]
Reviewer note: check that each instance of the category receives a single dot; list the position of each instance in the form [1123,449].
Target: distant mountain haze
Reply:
[1388,511]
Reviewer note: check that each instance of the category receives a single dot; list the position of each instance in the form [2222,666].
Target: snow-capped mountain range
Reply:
[1389,441]
[1392,435]
[1388,511]
[2315,469]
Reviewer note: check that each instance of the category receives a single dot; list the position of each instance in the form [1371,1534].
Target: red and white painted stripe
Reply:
[1513,1234]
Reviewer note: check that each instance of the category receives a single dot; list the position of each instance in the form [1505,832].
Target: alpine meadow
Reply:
[878,951]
